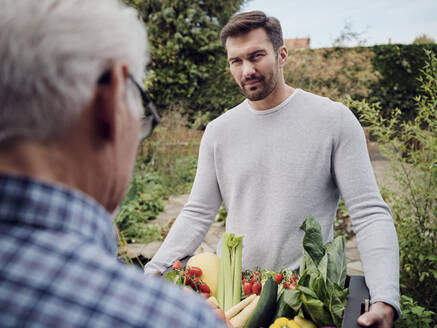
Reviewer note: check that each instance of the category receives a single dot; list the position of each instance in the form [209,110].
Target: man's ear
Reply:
[110,97]
[282,55]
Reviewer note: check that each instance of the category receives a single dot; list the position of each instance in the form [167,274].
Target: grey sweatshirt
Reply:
[275,167]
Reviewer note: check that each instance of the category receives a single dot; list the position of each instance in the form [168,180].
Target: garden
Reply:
[392,89]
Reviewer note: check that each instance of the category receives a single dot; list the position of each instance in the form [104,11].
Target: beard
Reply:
[261,90]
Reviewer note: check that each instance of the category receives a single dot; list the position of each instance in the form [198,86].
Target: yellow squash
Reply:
[209,263]
[284,323]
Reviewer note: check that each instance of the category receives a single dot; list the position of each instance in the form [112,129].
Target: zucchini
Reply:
[262,316]
[283,309]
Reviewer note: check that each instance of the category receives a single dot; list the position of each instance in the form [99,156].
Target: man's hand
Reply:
[221,314]
[380,315]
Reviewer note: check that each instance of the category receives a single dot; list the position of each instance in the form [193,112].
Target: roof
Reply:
[298,43]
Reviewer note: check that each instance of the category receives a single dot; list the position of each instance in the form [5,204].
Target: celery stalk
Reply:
[236,261]
[225,263]
[229,284]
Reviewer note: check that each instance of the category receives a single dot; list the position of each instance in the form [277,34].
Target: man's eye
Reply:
[256,56]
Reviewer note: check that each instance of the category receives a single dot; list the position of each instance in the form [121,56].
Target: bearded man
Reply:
[278,157]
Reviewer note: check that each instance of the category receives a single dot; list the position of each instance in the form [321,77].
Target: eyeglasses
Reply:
[151,117]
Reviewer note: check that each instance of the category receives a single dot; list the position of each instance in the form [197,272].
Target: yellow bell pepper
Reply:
[284,323]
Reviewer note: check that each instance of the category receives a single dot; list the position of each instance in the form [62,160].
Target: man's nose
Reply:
[248,70]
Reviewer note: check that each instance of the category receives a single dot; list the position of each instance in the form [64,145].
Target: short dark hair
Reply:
[244,23]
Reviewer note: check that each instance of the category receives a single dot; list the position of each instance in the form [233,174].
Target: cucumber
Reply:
[283,309]
[262,316]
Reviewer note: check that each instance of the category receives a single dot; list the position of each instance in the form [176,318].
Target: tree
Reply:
[423,39]
[188,66]
[348,35]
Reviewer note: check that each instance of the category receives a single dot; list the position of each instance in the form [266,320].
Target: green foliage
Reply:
[171,154]
[342,222]
[414,315]
[399,67]
[189,63]
[222,215]
[414,200]
[143,202]
[166,165]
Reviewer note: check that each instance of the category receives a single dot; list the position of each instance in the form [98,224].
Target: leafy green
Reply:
[175,278]
[312,240]
[336,261]
[320,292]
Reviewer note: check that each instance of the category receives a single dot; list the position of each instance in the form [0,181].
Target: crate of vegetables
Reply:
[319,295]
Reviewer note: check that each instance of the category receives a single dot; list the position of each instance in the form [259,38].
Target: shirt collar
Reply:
[27,201]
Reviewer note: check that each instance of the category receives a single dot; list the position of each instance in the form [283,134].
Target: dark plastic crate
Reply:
[358,294]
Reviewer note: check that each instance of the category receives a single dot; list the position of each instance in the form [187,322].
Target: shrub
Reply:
[414,315]
[414,199]
[399,67]
[166,165]
[171,153]
[332,72]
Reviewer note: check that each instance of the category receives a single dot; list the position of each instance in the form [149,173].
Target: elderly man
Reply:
[70,111]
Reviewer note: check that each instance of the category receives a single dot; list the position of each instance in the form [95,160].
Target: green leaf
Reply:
[307,263]
[318,285]
[336,260]
[173,277]
[315,308]
[292,298]
[337,302]
[307,291]
[312,240]
[323,267]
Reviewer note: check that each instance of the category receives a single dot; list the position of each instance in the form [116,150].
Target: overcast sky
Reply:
[401,21]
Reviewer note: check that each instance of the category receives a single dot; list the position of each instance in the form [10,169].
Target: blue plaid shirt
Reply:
[58,268]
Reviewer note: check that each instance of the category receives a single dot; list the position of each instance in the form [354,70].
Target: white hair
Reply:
[52,53]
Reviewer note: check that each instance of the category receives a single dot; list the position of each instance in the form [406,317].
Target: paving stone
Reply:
[172,209]
[204,247]
[146,250]
[352,254]
[355,269]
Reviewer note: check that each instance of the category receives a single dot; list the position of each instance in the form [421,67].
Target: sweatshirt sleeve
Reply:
[195,219]
[371,217]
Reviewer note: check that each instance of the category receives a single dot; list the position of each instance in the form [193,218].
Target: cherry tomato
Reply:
[247,288]
[255,277]
[195,271]
[292,286]
[286,285]
[279,277]
[293,278]
[256,288]
[204,288]
[177,265]
[194,282]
